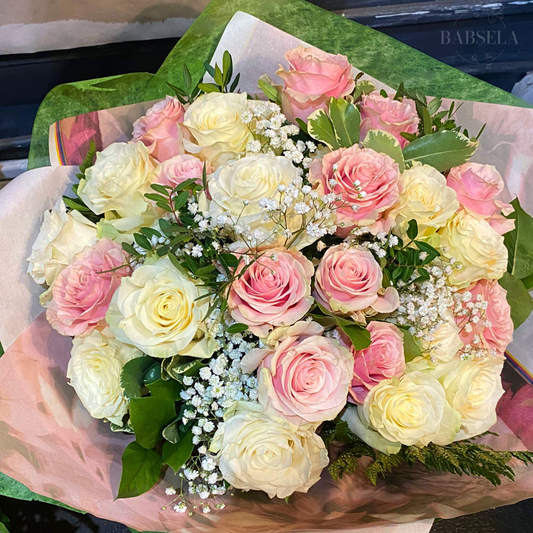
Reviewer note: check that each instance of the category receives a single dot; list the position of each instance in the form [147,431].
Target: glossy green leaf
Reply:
[519,243]
[141,469]
[346,121]
[385,143]
[320,127]
[169,389]
[442,150]
[412,229]
[175,455]
[237,328]
[518,298]
[359,335]
[132,376]
[149,416]
[410,347]
[269,89]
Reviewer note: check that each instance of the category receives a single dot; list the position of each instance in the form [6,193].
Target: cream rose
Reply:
[476,245]
[118,180]
[158,311]
[256,451]
[411,410]
[473,388]
[94,371]
[444,342]
[426,198]
[214,120]
[237,188]
[61,237]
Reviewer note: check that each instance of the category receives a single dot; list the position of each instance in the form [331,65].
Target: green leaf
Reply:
[302,125]
[229,260]
[148,417]
[346,121]
[150,232]
[320,127]
[181,199]
[442,150]
[129,248]
[363,87]
[142,241]
[411,350]
[162,189]
[169,389]
[518,298]
[519,243]
[76,205]
[359,335]
[132,376]
[141,469]
[2,352]
[385,143]
[412,229]
[269,90]
[176,455]
[209,87]
[171,432]
[235,83]
[156,197]
[236,328]
[177,367]
[434,106]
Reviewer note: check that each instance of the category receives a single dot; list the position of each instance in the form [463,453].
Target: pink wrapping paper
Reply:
[49,442]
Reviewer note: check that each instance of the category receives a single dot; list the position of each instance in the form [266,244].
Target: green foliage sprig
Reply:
[462,457]
[406,259]
[222,77]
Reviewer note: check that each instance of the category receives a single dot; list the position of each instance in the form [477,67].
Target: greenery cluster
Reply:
[461,457]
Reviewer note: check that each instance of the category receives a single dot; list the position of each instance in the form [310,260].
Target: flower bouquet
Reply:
[263,286]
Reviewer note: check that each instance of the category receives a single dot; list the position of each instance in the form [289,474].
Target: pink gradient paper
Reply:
[51,444]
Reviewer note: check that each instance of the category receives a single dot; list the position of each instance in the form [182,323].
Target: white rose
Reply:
[118,180]
[158,311]
[411,410]
[94,371]
[61,237]
[214,120]
[259,452]
[237,188]
[476,245]
[445,342]
[426,198]
[473,388]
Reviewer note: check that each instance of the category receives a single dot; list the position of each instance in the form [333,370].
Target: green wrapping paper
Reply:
[369,50]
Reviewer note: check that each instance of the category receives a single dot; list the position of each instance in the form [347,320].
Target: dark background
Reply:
[452,32]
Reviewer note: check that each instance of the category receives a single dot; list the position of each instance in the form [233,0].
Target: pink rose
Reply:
[367,181]
[305,377]
[383,359]
[178,169]
[312,79]
[82,291]
[477,187]
[161,129]
[348,281]
[275,290]
[494,327]
[387,114]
